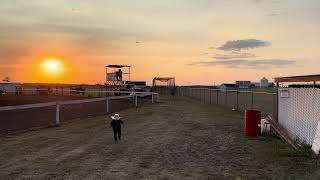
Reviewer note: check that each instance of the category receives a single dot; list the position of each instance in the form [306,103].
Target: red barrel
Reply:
[252,123]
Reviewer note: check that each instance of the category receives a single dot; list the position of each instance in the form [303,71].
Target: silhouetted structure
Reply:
[169,84]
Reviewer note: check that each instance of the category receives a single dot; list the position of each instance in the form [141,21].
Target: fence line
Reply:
[27,106]
[79,91]
[68,91]
[236,99]
[58,104]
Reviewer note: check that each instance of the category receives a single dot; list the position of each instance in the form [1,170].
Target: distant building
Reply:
[243,84]
[255,84]
[9,87]
[228,86]
[264,83]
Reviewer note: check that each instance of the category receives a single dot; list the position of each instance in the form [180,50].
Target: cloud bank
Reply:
[234,55]
[244,44]
[247,64]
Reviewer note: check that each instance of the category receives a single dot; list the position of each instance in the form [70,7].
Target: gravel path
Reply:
[175,139]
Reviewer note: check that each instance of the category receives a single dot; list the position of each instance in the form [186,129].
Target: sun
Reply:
[52,66]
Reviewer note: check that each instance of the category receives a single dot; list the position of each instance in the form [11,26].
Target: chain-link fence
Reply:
[28,116]
[238,100]
[299,113]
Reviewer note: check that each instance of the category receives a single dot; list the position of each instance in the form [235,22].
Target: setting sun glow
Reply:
[52,66]
[51,70]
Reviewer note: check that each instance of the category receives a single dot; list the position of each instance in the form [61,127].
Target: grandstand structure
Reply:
[112,75]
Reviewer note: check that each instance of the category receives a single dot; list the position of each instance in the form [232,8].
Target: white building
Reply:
[264,83]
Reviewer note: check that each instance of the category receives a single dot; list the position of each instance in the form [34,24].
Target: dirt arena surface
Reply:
[13,100]
[174,139]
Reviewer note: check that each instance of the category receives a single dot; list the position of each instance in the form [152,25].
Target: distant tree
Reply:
[6,79]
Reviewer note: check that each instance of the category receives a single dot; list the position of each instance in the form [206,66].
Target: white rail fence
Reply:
[266,102]
[133,97]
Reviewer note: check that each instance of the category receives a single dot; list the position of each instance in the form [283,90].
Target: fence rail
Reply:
[265,102]
[14,117]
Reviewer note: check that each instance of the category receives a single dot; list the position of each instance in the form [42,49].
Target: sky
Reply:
[196,41]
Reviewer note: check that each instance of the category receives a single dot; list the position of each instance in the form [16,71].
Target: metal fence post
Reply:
[277,102]
[136,100]
[204,96]
[210,92]
[275,105]
[193,96]
[152,98]
[217,97]
[226,98]
[193,93]
[58,113]
[237,100]
[251,100]
[107,104]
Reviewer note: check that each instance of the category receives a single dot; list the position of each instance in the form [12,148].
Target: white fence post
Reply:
[58,113]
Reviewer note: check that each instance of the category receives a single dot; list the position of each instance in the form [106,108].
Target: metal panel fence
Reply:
[28,116]
[239,100]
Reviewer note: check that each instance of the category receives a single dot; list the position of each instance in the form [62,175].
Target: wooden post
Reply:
[58,113]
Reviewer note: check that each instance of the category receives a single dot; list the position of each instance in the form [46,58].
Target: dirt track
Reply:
[178,139]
